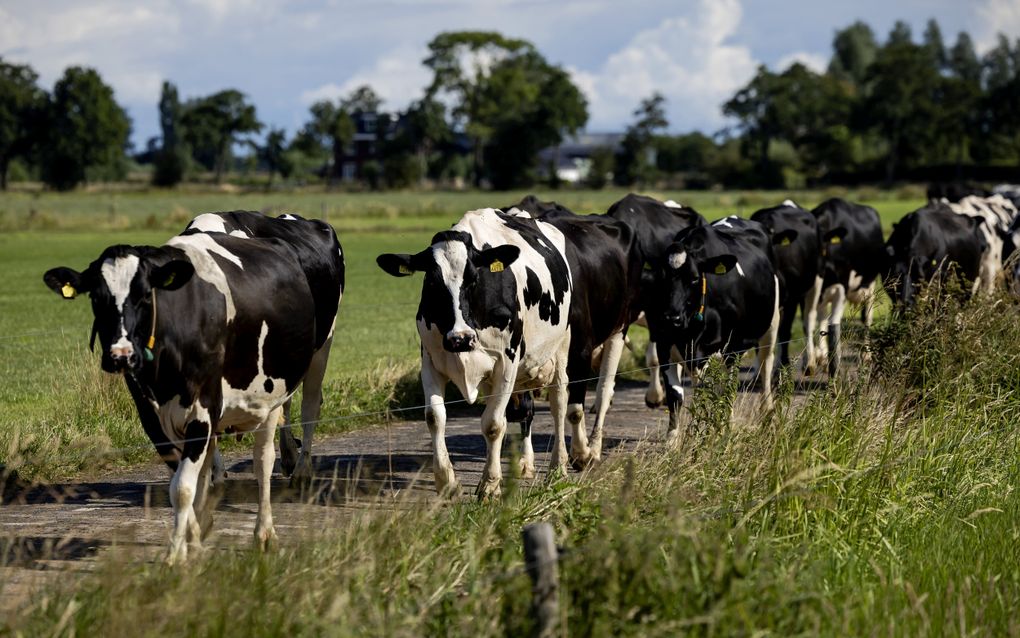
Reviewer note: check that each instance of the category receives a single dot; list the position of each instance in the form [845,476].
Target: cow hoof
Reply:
[449,491]
[582,462]
[488,490]
[526,470]
[651,403]
[265,540]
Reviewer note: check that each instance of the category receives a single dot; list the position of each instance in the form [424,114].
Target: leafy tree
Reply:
[900,35]
[423,131]
[21,104]
[853,50]
[636,161]
[172,158]
[274,154]
[362,100]
[963,61]
[333,127]
[86,128]
[933,45]
[213,124]
[1002,79]
[601,168]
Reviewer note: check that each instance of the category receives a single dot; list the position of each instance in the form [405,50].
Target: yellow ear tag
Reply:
[169,280]
[785,242]
[404,270]
[934,263]
[648,266]
[835,240]
[68,291]
[720,269]
[496,266]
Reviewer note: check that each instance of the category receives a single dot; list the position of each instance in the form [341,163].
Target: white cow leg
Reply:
[580,451]
[558,409]
[264,455]
[655,394]
[825,312]
[209,491]
[311,405]
[494,428]
[835,323]
[606,387]
[868,305]
[434,384]
[767,354]
[527,460]
[810,316]
[675,402]
[184,487]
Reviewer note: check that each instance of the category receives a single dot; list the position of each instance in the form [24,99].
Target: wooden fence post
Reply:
[540,559]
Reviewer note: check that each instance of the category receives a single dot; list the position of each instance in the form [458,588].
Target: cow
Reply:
[322,260]
[954,191]
[605,265]
[928,242]
[717,291]
[655,224]
[997,214]
[494,319]
[795,243]
[853,256]
[212,333]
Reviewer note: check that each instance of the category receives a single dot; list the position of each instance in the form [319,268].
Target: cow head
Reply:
[684,283]
[465,289]
[120,285]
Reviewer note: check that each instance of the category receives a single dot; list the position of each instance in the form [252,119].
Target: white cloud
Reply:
[688,59]
[814,61]
[995,17]
[398,77]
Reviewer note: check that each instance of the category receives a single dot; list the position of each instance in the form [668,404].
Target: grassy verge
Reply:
[886,505]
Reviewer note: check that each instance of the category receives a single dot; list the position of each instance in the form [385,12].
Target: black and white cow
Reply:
[954,191]
[605,266]
[853,256]
[655,225]
[997,214]
[494,319]
[928,242]
[717,292]
[795,242]
[321,258]
[212,333]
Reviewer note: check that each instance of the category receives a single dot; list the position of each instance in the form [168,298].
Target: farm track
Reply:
[50,531]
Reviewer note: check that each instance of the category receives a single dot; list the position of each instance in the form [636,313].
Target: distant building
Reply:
[572,157]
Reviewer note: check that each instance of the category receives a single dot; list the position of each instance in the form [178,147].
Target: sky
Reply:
[287,54]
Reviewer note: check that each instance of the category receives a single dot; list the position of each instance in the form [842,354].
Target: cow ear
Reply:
[834,236]
[171,275]
[66,282]
[396,265]
[718,265]
[496,259]
[784,237]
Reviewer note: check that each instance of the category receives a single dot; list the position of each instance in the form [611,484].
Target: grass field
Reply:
[61,411]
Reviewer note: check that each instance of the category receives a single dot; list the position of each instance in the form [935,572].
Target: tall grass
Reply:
[885,505]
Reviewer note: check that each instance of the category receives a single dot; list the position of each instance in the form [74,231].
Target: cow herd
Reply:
[214,331]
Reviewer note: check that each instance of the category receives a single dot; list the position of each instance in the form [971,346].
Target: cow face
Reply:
[684,284]
[465,289]
[120,285]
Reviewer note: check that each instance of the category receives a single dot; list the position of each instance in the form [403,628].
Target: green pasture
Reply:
[60,410]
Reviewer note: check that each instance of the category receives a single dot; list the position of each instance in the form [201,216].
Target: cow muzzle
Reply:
[121,359]
[460,341]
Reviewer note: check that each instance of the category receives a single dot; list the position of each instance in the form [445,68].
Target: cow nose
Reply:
[123,357]
[461,341]
[674,319]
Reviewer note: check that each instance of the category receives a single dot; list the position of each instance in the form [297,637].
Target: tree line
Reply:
[880,111]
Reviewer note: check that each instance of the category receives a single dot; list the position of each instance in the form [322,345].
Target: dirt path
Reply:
[45,532]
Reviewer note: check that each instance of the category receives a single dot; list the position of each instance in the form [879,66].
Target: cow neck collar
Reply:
[151,343]
[700,315]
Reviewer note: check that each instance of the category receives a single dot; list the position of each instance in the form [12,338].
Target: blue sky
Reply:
[285,55]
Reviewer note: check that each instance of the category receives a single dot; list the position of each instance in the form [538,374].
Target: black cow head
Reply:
[684,284]
[465,289]
[120,285]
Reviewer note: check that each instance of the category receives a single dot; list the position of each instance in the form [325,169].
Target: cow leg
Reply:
[209,490]
[825,306]
[434,384]
[264,456]
[868,305]
[311,404]
[809,314]
[494,428]
[674,399]
[525,404]
[767,353]
[558,408]
[607,385]
[184,487]
[835,320]
[288,443]
[656,393]
[786,316]
[580,453]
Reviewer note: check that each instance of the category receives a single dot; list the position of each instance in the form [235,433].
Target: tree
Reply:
[171,159]
[1002,80]
[636,161]
[933,45]
[601,168]
[853,50]
[900,35]
[274,154]
[362,100]
[461,62]
[21,104]
[333,127]
[86,127]
[963,61]
[213,124]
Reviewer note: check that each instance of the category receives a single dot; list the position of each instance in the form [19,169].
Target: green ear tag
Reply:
[720,269]
[147,354]
[169,280]
[404,270]
[496,266]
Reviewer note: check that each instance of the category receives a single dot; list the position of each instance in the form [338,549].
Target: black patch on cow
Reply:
[268,385]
